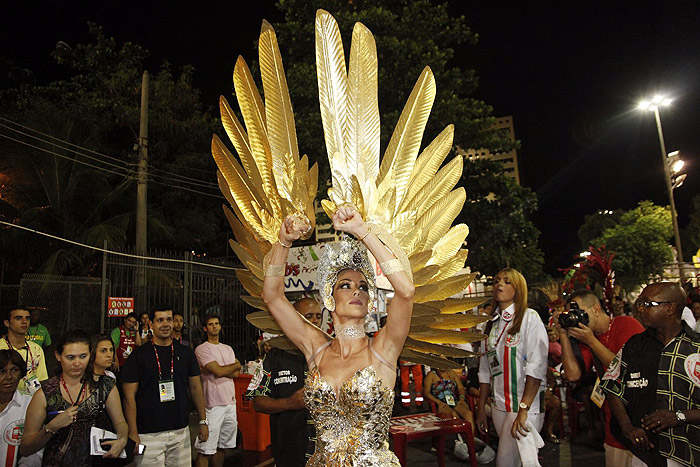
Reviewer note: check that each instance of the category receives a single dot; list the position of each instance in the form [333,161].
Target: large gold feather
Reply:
[332,83]
[271,180]
[409,195]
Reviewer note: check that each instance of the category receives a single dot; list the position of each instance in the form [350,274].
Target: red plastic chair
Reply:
[472,401]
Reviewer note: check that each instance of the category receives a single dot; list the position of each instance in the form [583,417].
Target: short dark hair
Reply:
[8,312]
[586,297]
[11,355]
[131,315]
[209,316]
[152,314]
[178,313]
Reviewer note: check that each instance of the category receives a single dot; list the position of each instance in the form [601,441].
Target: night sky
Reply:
[570,76]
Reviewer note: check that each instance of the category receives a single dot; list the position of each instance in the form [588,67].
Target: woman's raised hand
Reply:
[292,229]
[64,418]
[347,219]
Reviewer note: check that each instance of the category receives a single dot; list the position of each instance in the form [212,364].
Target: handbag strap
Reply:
[101,400]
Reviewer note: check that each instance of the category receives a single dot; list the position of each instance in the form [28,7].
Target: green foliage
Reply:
[410,35]
[690,236]
[497,211]
[97,106]
[595,224]
[640,241]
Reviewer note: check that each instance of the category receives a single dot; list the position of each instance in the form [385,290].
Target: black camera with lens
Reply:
[573,316]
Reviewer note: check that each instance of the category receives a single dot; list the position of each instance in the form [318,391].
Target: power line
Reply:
[103,250]
[126,175]
[185,179]
[72,159]
[58,139]
[185,188]
[122,164]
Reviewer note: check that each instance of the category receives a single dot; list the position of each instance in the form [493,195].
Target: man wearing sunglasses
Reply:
[653,384]
[599,341]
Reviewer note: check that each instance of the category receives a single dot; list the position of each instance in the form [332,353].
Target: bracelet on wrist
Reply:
[48,432]
[284,244]
[366,233]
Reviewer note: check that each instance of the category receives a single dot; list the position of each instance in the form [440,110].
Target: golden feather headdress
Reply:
[408,200]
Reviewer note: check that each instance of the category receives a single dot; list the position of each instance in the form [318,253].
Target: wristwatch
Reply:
[680,416]
[204,422]
[523,405]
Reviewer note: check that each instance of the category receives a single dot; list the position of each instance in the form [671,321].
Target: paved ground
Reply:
[419,455]
[578,454]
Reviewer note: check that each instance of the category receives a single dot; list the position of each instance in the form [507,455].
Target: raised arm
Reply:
[390,339]
[305,336]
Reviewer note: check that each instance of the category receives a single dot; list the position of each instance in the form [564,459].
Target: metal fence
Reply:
[193,286]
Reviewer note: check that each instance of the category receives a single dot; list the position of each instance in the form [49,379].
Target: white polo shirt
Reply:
[12,427]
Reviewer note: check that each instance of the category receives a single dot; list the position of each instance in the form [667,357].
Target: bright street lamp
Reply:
[653,105]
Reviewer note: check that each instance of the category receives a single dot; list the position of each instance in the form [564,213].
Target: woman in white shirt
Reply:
[513,368]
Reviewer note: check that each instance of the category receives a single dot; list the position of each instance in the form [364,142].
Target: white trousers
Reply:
[167,448]
[616,457]
[508,455]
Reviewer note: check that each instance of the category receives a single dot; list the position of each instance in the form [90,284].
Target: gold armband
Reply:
[275,270]
[391,266]
[284,244]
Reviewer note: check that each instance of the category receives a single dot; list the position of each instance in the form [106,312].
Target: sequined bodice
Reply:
[352,427]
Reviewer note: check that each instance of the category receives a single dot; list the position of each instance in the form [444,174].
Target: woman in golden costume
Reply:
[349,390]
[401,210]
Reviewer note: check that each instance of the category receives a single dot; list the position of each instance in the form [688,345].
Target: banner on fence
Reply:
[119,306]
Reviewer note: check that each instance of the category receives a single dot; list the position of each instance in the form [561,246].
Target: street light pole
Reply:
[669,187]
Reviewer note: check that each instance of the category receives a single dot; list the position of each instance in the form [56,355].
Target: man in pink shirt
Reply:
[219,367]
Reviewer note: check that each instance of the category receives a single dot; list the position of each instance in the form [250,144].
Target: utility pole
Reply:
[141,296]
[142,187]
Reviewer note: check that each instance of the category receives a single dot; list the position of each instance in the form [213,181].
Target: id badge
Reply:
[494,364]
[450,400]
[32,383]
[597,395]
[167,390]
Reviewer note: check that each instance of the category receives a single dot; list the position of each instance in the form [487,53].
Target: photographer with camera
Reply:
[601,337]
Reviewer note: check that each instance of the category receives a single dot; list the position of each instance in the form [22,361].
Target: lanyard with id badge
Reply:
[491,356]
[31,382]
[166,387]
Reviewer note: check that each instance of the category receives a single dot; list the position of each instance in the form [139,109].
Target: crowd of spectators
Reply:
[637,366]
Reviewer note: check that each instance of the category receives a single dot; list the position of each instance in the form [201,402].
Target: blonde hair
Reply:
[520,300]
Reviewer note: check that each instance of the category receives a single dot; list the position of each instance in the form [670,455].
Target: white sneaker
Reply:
[486,455]
[461,450]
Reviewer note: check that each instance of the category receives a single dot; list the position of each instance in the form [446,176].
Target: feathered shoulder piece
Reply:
[269,180]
